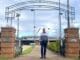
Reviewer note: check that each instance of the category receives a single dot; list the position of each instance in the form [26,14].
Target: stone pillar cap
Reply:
[8,29]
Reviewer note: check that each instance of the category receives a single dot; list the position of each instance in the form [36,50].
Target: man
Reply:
[43,43]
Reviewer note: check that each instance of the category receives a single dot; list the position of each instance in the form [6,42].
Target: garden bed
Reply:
[54,46]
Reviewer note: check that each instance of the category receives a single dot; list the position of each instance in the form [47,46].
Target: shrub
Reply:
[54,46]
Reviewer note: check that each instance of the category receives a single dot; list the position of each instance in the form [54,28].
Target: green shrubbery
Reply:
[54,46]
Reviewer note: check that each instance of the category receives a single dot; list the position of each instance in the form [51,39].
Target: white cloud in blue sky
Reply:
[48,19]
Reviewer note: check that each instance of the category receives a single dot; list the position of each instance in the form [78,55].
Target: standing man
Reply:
[43,43]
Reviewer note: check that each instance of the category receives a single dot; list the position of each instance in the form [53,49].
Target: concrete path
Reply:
[35,55]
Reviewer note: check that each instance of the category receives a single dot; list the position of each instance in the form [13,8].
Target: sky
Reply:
[43,19]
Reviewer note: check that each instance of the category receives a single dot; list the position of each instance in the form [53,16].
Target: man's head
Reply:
[44,31]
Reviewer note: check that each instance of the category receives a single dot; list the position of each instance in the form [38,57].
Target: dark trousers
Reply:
[43,48]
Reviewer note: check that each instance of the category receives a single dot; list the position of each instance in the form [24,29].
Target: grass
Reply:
[3,58]
[27,51]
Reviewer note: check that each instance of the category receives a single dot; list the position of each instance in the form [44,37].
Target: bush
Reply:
[54,46]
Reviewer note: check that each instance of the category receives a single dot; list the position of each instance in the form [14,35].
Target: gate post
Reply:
[0,43]
[72,42]
[8,42]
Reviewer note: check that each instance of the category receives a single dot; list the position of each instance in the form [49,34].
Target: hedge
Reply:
[54,46]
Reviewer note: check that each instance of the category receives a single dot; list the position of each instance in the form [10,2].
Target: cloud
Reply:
[77,25]
[48,19]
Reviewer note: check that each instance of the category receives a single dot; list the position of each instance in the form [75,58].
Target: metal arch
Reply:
[27,2]
[46,8]
[38,5]
[33,6]
[50,8]
[37,8]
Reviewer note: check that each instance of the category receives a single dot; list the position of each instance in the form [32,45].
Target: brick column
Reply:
[8,42]
[72,42]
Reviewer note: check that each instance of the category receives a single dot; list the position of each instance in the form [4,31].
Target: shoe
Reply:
[41,57]
[44,57]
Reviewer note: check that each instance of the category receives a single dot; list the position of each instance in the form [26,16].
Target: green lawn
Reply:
[27,51]
[3,58]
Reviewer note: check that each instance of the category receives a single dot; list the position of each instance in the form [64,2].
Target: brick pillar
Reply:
[72,42]
[8,42]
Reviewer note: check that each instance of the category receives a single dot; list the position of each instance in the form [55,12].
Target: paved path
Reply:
[35,55]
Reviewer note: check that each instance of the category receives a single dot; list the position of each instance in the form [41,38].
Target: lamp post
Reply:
[33,22]
[60,23]
[60,28]
[18,15]
[68,17]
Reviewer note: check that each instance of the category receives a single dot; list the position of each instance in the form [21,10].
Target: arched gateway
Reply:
[71,34]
